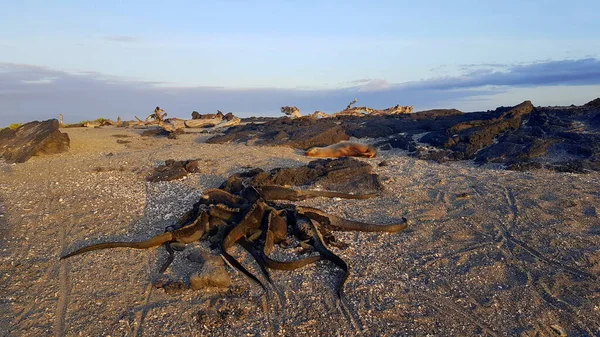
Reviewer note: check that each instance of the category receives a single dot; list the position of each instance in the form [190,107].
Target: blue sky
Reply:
[89,59]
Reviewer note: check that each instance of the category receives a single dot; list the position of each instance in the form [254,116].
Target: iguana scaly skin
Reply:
[187,234]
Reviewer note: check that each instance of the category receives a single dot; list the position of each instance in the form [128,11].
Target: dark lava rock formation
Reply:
[593,103]
[161,132]
[522,137]
[174,169]
[465,139]
[346,175]
[301,133]
[306,132]
[32,139]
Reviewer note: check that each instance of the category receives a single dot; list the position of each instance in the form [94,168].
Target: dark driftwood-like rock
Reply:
[32,139]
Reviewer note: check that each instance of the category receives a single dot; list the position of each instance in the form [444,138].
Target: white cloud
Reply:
[32,92]
[44,80]
[374,85]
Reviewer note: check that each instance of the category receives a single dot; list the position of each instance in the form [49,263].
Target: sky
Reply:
[90,59]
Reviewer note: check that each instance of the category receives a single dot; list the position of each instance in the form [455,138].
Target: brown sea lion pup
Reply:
[343,149]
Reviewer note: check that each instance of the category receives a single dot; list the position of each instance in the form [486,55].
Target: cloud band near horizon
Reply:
[31,92]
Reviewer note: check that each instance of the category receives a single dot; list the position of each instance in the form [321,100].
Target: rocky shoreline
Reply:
[523,137]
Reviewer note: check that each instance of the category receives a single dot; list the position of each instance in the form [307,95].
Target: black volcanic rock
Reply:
[319,135]
[301,133]
[466,138]
[435,114]
[520,137]
[565,139]
[161,132]
[515,147]
[32,139]
[593,103]
[306,132]
[174,169]
[347,175]
[399,141]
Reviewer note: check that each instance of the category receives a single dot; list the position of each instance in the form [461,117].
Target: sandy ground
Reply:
[489,252]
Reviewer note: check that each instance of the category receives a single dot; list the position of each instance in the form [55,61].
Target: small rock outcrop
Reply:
[465,139]
[173,170]
[593,103]
[162,131]
[32,139]
[197,115]
[212,274]
[346,175]
[564,139]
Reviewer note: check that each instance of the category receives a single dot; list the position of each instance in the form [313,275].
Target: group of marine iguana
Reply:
[250,216]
